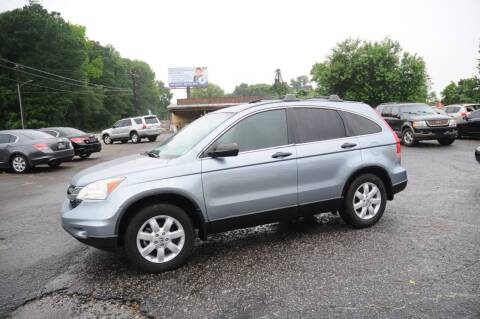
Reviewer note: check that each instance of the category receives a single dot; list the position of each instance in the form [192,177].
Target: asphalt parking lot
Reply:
[421,260]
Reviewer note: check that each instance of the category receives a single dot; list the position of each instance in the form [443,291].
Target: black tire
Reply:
[446,141]
[348,213]
[54,164]
[107,139]
[141,218]
[85,155]
[124,141]
[152,138]
[408,137]
[19,164]
[135,137]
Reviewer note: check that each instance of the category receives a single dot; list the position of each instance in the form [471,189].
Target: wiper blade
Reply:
[150,154]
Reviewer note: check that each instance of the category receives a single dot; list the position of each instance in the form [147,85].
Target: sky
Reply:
[246,40]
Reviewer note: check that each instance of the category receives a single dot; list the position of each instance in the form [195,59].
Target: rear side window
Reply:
[151,120]
[315,124]
[358,125]
[4,138]
[138,120]
[261,130]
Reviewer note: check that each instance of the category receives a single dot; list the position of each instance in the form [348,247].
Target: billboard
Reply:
[188,77]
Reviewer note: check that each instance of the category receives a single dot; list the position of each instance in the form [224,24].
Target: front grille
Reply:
[437,123]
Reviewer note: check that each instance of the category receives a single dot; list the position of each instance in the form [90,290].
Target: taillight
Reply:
[41,147]
[463,114]
[144,126]
[398,147]
[77,140]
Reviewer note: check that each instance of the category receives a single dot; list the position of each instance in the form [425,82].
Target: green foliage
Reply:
[212,90]
[33,37]
[260,90]
[465,91]
[372,72]
[279,87]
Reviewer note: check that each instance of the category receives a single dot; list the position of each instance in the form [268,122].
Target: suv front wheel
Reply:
[159,238]
[364,201]
[408,137]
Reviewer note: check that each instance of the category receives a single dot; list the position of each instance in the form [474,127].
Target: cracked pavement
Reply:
[421,260]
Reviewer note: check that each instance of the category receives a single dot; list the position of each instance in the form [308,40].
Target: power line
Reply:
[58,76]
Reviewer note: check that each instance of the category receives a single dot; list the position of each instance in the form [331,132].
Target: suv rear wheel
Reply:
[134,137]
[159,238]
[364,201]
[152,138]
[408,137]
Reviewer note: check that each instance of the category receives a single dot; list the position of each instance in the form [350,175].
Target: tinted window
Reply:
[262,130]
[52,133]
[475,115]
[417,109]
[4,138]
[138,120]
[151,120]
[359,125]
[317,125]
[452,109]
[125,123]
[387,111]
[70,131]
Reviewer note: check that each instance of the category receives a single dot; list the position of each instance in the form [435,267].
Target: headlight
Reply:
[100,189]
[452,123]
[419,124]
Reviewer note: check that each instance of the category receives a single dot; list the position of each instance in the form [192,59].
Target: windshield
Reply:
[417,109]
[190,135]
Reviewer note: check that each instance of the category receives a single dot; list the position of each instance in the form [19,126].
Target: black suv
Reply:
[417,121]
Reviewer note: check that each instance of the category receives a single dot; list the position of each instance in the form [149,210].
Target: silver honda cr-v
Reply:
[237,167]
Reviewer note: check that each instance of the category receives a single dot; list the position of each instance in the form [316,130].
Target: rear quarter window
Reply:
[358,125]
[5,138]
[138,120]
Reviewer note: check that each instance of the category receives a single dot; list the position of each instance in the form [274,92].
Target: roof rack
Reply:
[332,98]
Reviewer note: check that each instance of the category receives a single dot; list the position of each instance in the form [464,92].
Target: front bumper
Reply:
[87,148]
[92,223]
[58,157]
[433,133]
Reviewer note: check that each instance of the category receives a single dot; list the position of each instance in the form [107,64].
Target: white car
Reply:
[459,111]
[134,129]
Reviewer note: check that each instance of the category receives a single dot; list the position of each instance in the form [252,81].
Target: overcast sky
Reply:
[245,41]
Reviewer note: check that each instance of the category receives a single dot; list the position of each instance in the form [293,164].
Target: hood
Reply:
[428,117]
[106,130]
[122,166]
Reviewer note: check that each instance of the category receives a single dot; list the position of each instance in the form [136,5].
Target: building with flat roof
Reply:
[186,111]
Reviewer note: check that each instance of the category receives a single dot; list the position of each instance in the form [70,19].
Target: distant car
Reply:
[84,144]
[21,150]
[134,129]
[470,125]
[477,154]
[417,121]
[439,111]
[459,111]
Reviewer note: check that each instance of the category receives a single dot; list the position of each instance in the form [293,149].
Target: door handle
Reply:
[281,154]
[348,145]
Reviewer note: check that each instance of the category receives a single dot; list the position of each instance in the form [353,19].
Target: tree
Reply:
[372,72]
[301,86]
[212,90]
[100,92]
[260,90]
[465,91]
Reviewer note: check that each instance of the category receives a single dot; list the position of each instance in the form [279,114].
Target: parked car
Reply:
[459,111]
[439,111]
[469,125]
[415,122]
[477,154]
[237,167]
[84,144]
[134,129]
[21,150]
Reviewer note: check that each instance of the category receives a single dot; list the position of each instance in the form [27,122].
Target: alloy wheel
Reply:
[367,200]
[19,164]
[408,137]
[160,239]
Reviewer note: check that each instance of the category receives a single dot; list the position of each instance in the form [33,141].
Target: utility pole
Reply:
[19,86]
[133,74]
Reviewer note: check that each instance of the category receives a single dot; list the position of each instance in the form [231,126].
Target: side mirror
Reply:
[224,150]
